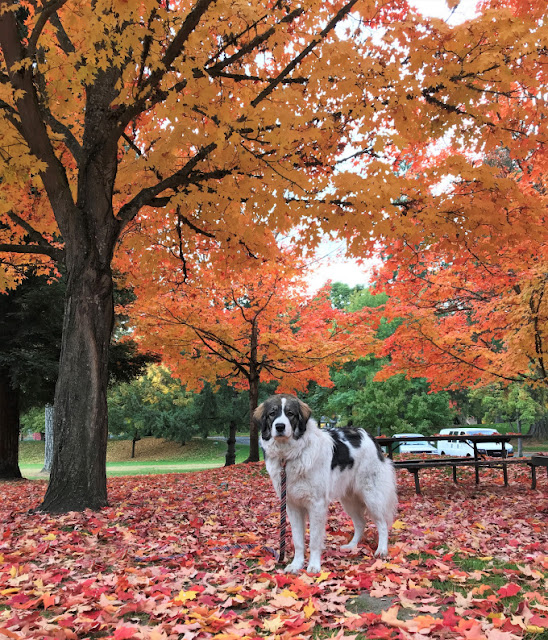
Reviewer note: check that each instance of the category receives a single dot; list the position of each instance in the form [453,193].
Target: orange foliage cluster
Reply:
[246,322]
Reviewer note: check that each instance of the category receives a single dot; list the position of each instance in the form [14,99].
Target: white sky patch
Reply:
[332,264]
[465,10]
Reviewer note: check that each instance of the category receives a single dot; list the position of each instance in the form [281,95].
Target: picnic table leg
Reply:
[533,476]
[505,473]
[415,473]
[454,474]
[476,459]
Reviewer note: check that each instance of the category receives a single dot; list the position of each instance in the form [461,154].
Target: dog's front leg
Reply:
[317,515]
[297,519]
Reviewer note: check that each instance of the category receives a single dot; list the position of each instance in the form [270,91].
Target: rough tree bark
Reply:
[254,376]
[78,476]
[9,429]
[230,458]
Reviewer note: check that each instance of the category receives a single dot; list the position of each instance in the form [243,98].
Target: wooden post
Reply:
[48,453]
[520,441]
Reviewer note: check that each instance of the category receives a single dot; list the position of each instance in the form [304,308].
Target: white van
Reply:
[415,446]
[463,448]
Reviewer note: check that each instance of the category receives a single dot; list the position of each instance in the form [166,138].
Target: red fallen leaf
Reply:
[509,590]
[125,632]
[537,621]
[450,619]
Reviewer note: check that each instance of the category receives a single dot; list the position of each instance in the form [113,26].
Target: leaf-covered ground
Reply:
[162,563]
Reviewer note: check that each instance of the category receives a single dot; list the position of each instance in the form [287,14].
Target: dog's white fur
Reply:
[368,485]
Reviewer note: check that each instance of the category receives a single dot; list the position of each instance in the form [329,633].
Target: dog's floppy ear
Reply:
[304,414]
[305,410]
[258,415]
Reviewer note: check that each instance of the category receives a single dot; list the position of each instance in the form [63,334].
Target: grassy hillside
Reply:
[147,449]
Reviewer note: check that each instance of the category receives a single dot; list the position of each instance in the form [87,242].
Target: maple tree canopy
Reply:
[154,125]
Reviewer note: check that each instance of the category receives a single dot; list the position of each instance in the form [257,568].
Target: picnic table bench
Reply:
[477,461]
[537,461]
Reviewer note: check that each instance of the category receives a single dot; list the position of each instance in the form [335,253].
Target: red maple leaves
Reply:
[190,556]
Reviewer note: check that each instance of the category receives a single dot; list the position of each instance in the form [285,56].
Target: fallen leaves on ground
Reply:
[186,556]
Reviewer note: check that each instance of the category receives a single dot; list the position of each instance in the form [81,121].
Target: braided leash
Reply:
[283,511]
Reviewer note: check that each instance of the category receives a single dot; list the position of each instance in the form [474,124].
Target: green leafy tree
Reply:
[397,404]
[153,404]
[508,404]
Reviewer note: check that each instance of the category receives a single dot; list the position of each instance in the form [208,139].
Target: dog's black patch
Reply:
[341,451]
[353,435]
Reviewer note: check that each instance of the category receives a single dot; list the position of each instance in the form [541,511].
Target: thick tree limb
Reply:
[33,127]
[47,12]
[31,249]
[148,195]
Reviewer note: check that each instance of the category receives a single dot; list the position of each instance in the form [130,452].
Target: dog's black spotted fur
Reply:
[341,451]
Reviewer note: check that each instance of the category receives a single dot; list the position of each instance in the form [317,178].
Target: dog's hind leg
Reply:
[382,519]
[355,508]
[317,515]
[297,518]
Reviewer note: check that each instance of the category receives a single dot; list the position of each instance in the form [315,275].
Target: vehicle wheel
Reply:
[443,453]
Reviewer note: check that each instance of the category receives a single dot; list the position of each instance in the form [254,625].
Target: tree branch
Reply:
[35,236]
[52,252]
[149,195]
[296,61]
[173,50]
[47,11]
[33,127]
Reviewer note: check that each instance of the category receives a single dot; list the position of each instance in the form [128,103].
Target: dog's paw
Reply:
[381,553]
[313,567]
[294,567]
[349,547]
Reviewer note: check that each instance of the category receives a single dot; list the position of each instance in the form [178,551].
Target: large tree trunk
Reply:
[78,475]
[539,430]
[9,429]
[254,377]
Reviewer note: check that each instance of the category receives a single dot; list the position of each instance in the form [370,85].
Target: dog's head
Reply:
[282,416]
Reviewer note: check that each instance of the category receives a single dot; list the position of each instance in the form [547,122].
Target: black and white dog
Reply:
[323,465]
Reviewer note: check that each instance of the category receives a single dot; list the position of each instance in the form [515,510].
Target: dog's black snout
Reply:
[280,427]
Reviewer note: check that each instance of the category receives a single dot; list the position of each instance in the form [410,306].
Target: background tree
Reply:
[30,340]
[156,404]
[248,328]
[153,404]
[31,320]
[389,406]
[229,122]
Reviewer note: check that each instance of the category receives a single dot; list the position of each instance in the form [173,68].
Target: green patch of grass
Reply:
[196,455]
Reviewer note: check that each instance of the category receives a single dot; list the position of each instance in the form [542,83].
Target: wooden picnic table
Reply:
[504,439]
[478,460]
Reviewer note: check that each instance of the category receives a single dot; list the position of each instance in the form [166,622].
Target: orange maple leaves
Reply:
[247,323]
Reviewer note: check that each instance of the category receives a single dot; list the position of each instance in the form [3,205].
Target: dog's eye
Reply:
[289,414]
[273,413]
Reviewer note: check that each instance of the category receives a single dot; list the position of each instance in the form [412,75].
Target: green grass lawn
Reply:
[152,455]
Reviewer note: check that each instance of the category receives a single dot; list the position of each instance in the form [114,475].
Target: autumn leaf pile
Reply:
[173,557]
